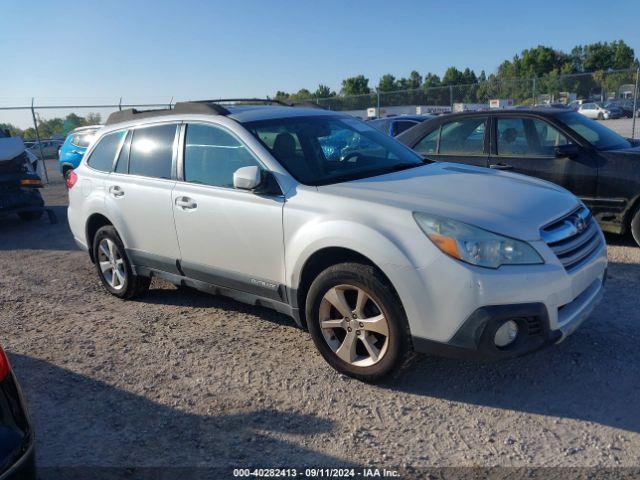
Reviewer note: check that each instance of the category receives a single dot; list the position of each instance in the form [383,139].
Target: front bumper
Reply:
[475,339]
[454,309]
[24,201]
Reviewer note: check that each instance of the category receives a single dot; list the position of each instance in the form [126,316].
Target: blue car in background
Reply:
[394,126]
[74,146]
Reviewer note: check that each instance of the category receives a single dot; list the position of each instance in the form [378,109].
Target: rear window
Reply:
[403,126]
[104,153]
[152,151]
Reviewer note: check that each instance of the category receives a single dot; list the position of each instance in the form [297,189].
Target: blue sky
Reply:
[208,49]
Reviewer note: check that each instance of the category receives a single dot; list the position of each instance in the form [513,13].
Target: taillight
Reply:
[5,368]
[71,180]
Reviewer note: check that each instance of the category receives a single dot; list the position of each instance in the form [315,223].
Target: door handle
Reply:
[186,203]
[116,191]
[501,166]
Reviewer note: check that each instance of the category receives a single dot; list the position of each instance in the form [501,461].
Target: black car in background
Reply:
[393,126]
[17,456]
[558,145]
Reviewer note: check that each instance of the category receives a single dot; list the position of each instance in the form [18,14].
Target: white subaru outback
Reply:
[321,217]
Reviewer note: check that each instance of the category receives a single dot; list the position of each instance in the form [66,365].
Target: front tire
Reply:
[635,226]
[113,266]
[357,321]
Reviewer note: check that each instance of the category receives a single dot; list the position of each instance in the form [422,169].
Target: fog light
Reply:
[506,334]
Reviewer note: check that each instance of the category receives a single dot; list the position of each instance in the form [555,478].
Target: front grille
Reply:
[573,238]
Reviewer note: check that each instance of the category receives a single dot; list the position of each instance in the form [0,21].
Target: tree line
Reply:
[53,127]
[553,70]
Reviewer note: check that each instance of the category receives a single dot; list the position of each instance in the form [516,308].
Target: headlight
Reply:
[475,245]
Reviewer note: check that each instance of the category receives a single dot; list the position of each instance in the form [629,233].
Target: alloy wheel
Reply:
[111,264]
[353,325]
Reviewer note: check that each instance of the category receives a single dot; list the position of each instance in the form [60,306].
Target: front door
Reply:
[463,140]
[228,237]
[527,145]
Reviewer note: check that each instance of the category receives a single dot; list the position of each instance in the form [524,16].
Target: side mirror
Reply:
[571,151]
[247,178]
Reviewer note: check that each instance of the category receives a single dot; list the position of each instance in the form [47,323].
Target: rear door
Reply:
[527,145]
[463,140]
[139,196]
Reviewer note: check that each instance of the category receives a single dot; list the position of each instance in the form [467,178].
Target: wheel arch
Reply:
[94,223]
[66,166]
[322,259]
[630,213]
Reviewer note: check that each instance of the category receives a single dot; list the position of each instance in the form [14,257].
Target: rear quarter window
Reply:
[104,153]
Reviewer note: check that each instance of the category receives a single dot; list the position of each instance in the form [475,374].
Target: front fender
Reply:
[354,236]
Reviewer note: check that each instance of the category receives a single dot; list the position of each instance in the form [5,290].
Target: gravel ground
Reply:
[181,379]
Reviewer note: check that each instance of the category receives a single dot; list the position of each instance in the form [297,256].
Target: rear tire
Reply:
[30,216]
[66,173]
[367,335]
[114,267]
[635,226]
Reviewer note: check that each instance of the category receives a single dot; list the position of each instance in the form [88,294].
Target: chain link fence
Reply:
[55,117]
[548,89]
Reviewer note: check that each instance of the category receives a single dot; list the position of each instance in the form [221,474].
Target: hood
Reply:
[505,203]
[631,152]
[10,148]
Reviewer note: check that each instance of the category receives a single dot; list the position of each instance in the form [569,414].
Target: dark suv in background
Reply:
[561,146]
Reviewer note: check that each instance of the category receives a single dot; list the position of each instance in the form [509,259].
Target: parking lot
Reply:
[179,378]
[623,126]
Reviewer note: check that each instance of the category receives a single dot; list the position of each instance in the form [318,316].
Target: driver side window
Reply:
[528,137]
[212,155]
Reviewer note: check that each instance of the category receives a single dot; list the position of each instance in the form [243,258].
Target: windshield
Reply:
[595,133]
[320,150]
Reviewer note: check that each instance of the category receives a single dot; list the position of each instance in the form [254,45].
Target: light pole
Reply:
[634,113]
[35,124]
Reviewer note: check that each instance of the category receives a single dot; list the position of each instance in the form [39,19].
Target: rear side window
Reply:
[104,154]
[212,155]
[152,151]
[463,137]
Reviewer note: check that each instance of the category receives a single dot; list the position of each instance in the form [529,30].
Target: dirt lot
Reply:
[182,379]
[623,126]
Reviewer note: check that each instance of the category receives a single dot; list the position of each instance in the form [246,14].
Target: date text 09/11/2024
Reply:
[315,473]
